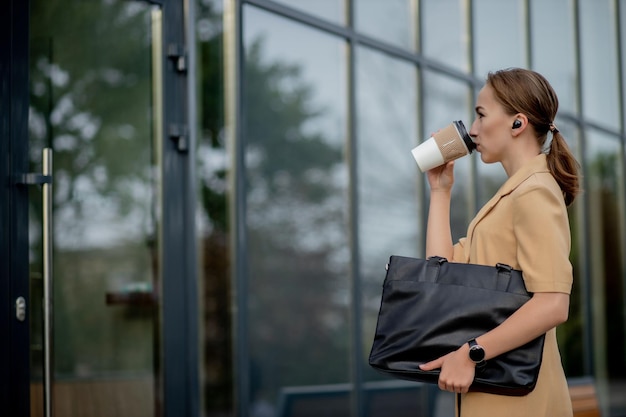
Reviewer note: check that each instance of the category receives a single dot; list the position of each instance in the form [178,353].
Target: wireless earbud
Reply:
[517,124]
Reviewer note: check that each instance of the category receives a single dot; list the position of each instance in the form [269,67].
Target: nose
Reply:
[473,129]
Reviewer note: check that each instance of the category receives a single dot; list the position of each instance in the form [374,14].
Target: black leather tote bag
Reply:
[431,307]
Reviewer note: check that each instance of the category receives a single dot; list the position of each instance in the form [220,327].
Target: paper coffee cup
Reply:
[450,143]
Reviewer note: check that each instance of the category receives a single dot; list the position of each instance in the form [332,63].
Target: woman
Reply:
[525,225]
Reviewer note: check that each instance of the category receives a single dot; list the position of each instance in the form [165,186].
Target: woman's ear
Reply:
[520,121]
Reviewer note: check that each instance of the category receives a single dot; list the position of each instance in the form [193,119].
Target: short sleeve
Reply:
[541,228]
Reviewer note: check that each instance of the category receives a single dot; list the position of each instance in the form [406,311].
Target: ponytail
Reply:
[563,167]
[528,92]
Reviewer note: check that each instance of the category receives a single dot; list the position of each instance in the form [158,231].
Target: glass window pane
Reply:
[599,64]
[446,100]
[603,168]
[298,253]
[500,35]
[387,131]
[553,48]
[389,209]
[95,101]
[445,32]
[391,21]
[333,10]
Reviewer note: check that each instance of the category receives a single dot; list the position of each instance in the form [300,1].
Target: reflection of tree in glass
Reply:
[213,189]
[288,168]
[91,101]
[604,175]
[296,183]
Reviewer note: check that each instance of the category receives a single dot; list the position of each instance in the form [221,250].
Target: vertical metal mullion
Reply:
[471,64]
[582,221]
[620,71]
[421,182]
[192,312]
[622,177]
[358,398]
[529,35]
[178,294]
[235,86]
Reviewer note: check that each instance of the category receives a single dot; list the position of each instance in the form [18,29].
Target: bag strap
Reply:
[432,268]
[504,277]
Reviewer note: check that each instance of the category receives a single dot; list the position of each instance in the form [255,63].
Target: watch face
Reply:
[477,353]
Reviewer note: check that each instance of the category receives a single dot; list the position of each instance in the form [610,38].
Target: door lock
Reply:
[20,309]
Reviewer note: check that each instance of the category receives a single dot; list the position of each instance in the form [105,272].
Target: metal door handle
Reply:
[47,281]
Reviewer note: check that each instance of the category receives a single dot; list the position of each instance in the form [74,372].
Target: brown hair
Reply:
[528,92]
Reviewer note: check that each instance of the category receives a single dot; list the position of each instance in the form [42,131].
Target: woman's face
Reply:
[491,129]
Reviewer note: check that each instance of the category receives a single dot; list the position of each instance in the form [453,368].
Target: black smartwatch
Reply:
[476,352]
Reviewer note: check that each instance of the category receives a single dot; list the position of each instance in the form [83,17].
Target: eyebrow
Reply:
[478,108]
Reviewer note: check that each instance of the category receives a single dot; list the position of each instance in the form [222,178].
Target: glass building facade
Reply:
[230,178]
[307,111]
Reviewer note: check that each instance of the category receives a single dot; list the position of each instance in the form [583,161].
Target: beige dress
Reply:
[525,225]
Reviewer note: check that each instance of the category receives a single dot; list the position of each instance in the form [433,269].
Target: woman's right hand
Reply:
[441,178]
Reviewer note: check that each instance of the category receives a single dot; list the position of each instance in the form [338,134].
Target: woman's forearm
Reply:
[438,234]
[541,313]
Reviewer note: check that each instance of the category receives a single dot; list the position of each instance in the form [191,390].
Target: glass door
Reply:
[96,108]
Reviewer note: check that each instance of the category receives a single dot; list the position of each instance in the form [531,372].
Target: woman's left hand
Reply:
[457,370]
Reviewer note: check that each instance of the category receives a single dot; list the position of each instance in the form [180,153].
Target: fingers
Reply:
[458,389]
[441,177]
[429,366]
[449,166]
[451,381]
[457,385]
[453,385]
[444,386]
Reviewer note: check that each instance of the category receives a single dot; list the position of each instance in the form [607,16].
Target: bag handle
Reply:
[432,268]
[504,277]
[502,282]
